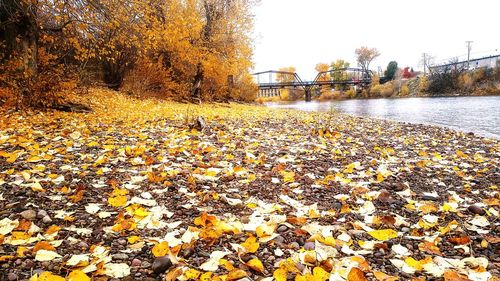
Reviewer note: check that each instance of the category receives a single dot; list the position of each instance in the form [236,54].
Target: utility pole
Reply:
[425,63]
[469,47]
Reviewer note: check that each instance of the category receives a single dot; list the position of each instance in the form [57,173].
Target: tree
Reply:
[322,67]
[365,56]
[287,76]
[392,67]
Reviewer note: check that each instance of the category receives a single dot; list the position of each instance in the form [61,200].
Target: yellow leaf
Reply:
[48,276]
[251,244]
[191,274]
[265,230]
[134,239]
[236,274]
[256,265]
[383,234]
[226,264]
[34,159]
[320,274]
[117,201]
[280,274]
[207,276]
[161,249]
[78,275]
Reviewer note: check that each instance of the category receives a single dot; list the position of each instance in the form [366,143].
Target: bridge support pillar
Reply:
[308,94]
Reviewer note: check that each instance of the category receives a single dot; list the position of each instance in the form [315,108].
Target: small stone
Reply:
[28,214]
[12,276]
[244,279]
[161,264]
[279,239]
[120,256]
[476,210]
[46,219]
[308,246]
[294,246]
[405,229]
[122,242]
[136,262]
[282,228]
[145,264]
[41,214]
[187,253]
[83,245]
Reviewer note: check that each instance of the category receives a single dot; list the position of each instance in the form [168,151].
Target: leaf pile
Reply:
[130,191]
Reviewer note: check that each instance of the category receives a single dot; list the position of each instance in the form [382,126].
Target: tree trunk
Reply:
[20,35]
[198,79]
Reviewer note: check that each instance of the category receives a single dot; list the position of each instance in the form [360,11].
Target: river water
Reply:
[480,115]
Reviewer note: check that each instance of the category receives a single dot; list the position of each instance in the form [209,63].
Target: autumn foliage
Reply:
[185,50]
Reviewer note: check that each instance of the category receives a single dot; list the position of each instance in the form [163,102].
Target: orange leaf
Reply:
[430,248]
[235,275]
[78,275]
[251,244]
[173,274]
[356,274]
[460,240]
[453,276]
[52,229]
[43,245]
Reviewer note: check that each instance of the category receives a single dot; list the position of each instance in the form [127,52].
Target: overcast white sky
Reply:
[302,33]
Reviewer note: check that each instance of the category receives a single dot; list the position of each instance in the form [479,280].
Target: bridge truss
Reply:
[270,82]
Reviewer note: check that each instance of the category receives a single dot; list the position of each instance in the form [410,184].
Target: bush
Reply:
[384,90]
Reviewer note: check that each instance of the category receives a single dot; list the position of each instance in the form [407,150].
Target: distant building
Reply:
[486,62]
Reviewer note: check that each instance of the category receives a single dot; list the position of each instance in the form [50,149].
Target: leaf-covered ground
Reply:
[131,192]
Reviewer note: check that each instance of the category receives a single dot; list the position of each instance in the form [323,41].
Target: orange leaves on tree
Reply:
[356,274]
[160,249]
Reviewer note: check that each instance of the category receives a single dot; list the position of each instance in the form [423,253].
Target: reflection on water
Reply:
[470,114]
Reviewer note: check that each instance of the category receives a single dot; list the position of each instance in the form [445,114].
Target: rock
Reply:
[12,276]
[28,215]
[282,228]
[122,242]
[136,262]
[308,246]
[46,219]
[161,264]
[405,229]
[145,264]
[41,214]
[187,253]
[294,246]
[476,210]
[120,256]
[83,245]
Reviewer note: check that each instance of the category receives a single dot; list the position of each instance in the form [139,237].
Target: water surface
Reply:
[480,115]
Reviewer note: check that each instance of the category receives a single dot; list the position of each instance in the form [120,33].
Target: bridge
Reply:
[270,82]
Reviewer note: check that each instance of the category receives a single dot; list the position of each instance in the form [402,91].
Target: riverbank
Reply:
[133,190]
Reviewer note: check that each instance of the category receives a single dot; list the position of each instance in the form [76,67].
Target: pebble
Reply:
[41,214]
[46,219]
[161,264]
[28,214]
[308,246]
[122,242]
[294,246]
[282,228]
[82,244]
[12,276]
[476,210]
[405,229]
[120,256]
[244,279]
[136,262]
[145,264]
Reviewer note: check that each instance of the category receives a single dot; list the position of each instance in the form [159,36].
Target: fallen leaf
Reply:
[356,274]
[383,234]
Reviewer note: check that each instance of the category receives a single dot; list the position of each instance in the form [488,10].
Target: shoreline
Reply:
[255,184]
